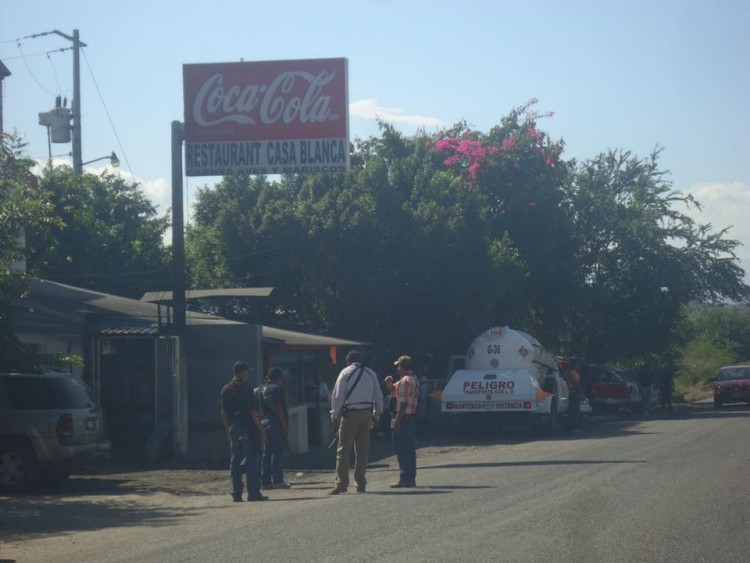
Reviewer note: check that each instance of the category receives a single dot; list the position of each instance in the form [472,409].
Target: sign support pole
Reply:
[180,433]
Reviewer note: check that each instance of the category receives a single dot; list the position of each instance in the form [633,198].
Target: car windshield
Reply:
[605,375]
[729,374]
[627,375]
[47,393]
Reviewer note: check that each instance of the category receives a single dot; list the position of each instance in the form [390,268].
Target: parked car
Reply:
[608,389]
[50,424]
[634,388]
[732,385]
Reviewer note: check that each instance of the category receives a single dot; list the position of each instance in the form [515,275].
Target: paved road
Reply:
[667,488]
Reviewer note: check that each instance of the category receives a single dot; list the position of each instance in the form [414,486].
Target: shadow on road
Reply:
[24,517]
[415,492]
[525,464]
[456,431]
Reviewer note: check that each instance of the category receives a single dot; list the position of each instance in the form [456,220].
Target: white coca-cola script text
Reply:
[268,103]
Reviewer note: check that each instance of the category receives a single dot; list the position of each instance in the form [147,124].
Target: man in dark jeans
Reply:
[404,425]
[274,418]
[242,424]
[575,393]
[666,388]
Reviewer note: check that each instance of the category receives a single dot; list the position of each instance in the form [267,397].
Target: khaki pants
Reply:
[354,429]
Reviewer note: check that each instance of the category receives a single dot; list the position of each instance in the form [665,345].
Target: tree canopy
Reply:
[108,237]
[430,239]
[427,240]
[22,203]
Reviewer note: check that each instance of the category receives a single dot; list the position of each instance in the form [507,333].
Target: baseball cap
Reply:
[239,367]
[403,361]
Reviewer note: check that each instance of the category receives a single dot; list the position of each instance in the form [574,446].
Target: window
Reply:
[733,374]
[46,393]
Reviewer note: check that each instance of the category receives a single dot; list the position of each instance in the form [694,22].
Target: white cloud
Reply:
[158,190]
[371,109]
[725,205]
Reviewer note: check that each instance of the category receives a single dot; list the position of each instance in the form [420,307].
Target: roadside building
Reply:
[130,360]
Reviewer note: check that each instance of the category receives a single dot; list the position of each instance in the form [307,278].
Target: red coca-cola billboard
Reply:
[267,117]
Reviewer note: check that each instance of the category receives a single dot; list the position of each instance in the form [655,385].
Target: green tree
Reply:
[109,238]
[431,238]
[518,170]
[642,259]
[23,203]
[395,252]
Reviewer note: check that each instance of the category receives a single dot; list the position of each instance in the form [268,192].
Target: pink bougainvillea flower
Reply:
[534,133]
[510,143]
[473,171]
[471,152]
[446,144]
[451,161]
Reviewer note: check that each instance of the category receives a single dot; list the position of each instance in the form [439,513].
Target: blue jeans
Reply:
[273,457]
[574,408]
[406,449]
[244,459]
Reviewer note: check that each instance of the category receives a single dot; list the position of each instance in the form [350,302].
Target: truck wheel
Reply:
[553,424]
[548,423]
[18,466]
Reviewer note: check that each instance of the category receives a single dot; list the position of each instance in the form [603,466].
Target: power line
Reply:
[54,72]
[26,63]
[106,110]
[39,54]
[32,36]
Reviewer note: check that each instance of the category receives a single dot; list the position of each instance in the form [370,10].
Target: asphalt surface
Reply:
[670,487]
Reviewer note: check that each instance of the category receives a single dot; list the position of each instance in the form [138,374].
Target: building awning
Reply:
[166,296]
[113,309]
[294,338]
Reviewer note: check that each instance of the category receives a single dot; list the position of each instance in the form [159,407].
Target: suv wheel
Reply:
[18,466]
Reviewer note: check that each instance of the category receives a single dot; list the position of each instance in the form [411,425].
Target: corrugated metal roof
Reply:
[130,331]
[166,296]
[294,338]
[61,297]
[127,317]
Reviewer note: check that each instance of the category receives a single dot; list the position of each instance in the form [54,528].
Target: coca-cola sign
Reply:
[266,117]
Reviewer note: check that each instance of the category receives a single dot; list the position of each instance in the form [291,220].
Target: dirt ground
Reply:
[121,494]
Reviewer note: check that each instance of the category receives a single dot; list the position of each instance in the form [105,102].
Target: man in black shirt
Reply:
[241,417]
[274,416]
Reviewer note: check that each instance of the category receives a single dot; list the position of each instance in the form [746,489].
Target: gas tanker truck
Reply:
[508,373]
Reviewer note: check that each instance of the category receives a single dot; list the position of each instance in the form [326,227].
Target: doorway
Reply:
[127,382]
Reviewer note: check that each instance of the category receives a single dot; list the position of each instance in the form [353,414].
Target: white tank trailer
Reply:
[508,373]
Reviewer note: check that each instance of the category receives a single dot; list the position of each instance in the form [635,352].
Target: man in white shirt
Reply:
[356,406]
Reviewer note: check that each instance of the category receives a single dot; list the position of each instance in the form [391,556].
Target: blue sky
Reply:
[618,74]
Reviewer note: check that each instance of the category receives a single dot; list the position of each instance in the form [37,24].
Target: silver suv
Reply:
[49,425]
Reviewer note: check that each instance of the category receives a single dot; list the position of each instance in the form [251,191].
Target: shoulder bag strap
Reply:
[349,392]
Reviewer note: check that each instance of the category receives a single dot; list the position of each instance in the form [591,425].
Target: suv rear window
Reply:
[43,393]
[729,374]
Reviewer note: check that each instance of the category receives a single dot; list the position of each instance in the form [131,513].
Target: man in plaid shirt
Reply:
[404,425]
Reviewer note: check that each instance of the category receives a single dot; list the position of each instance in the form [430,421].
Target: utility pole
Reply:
[3,73]
[76,140]
[76,127]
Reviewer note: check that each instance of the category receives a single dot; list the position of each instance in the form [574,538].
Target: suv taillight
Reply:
[64,428]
